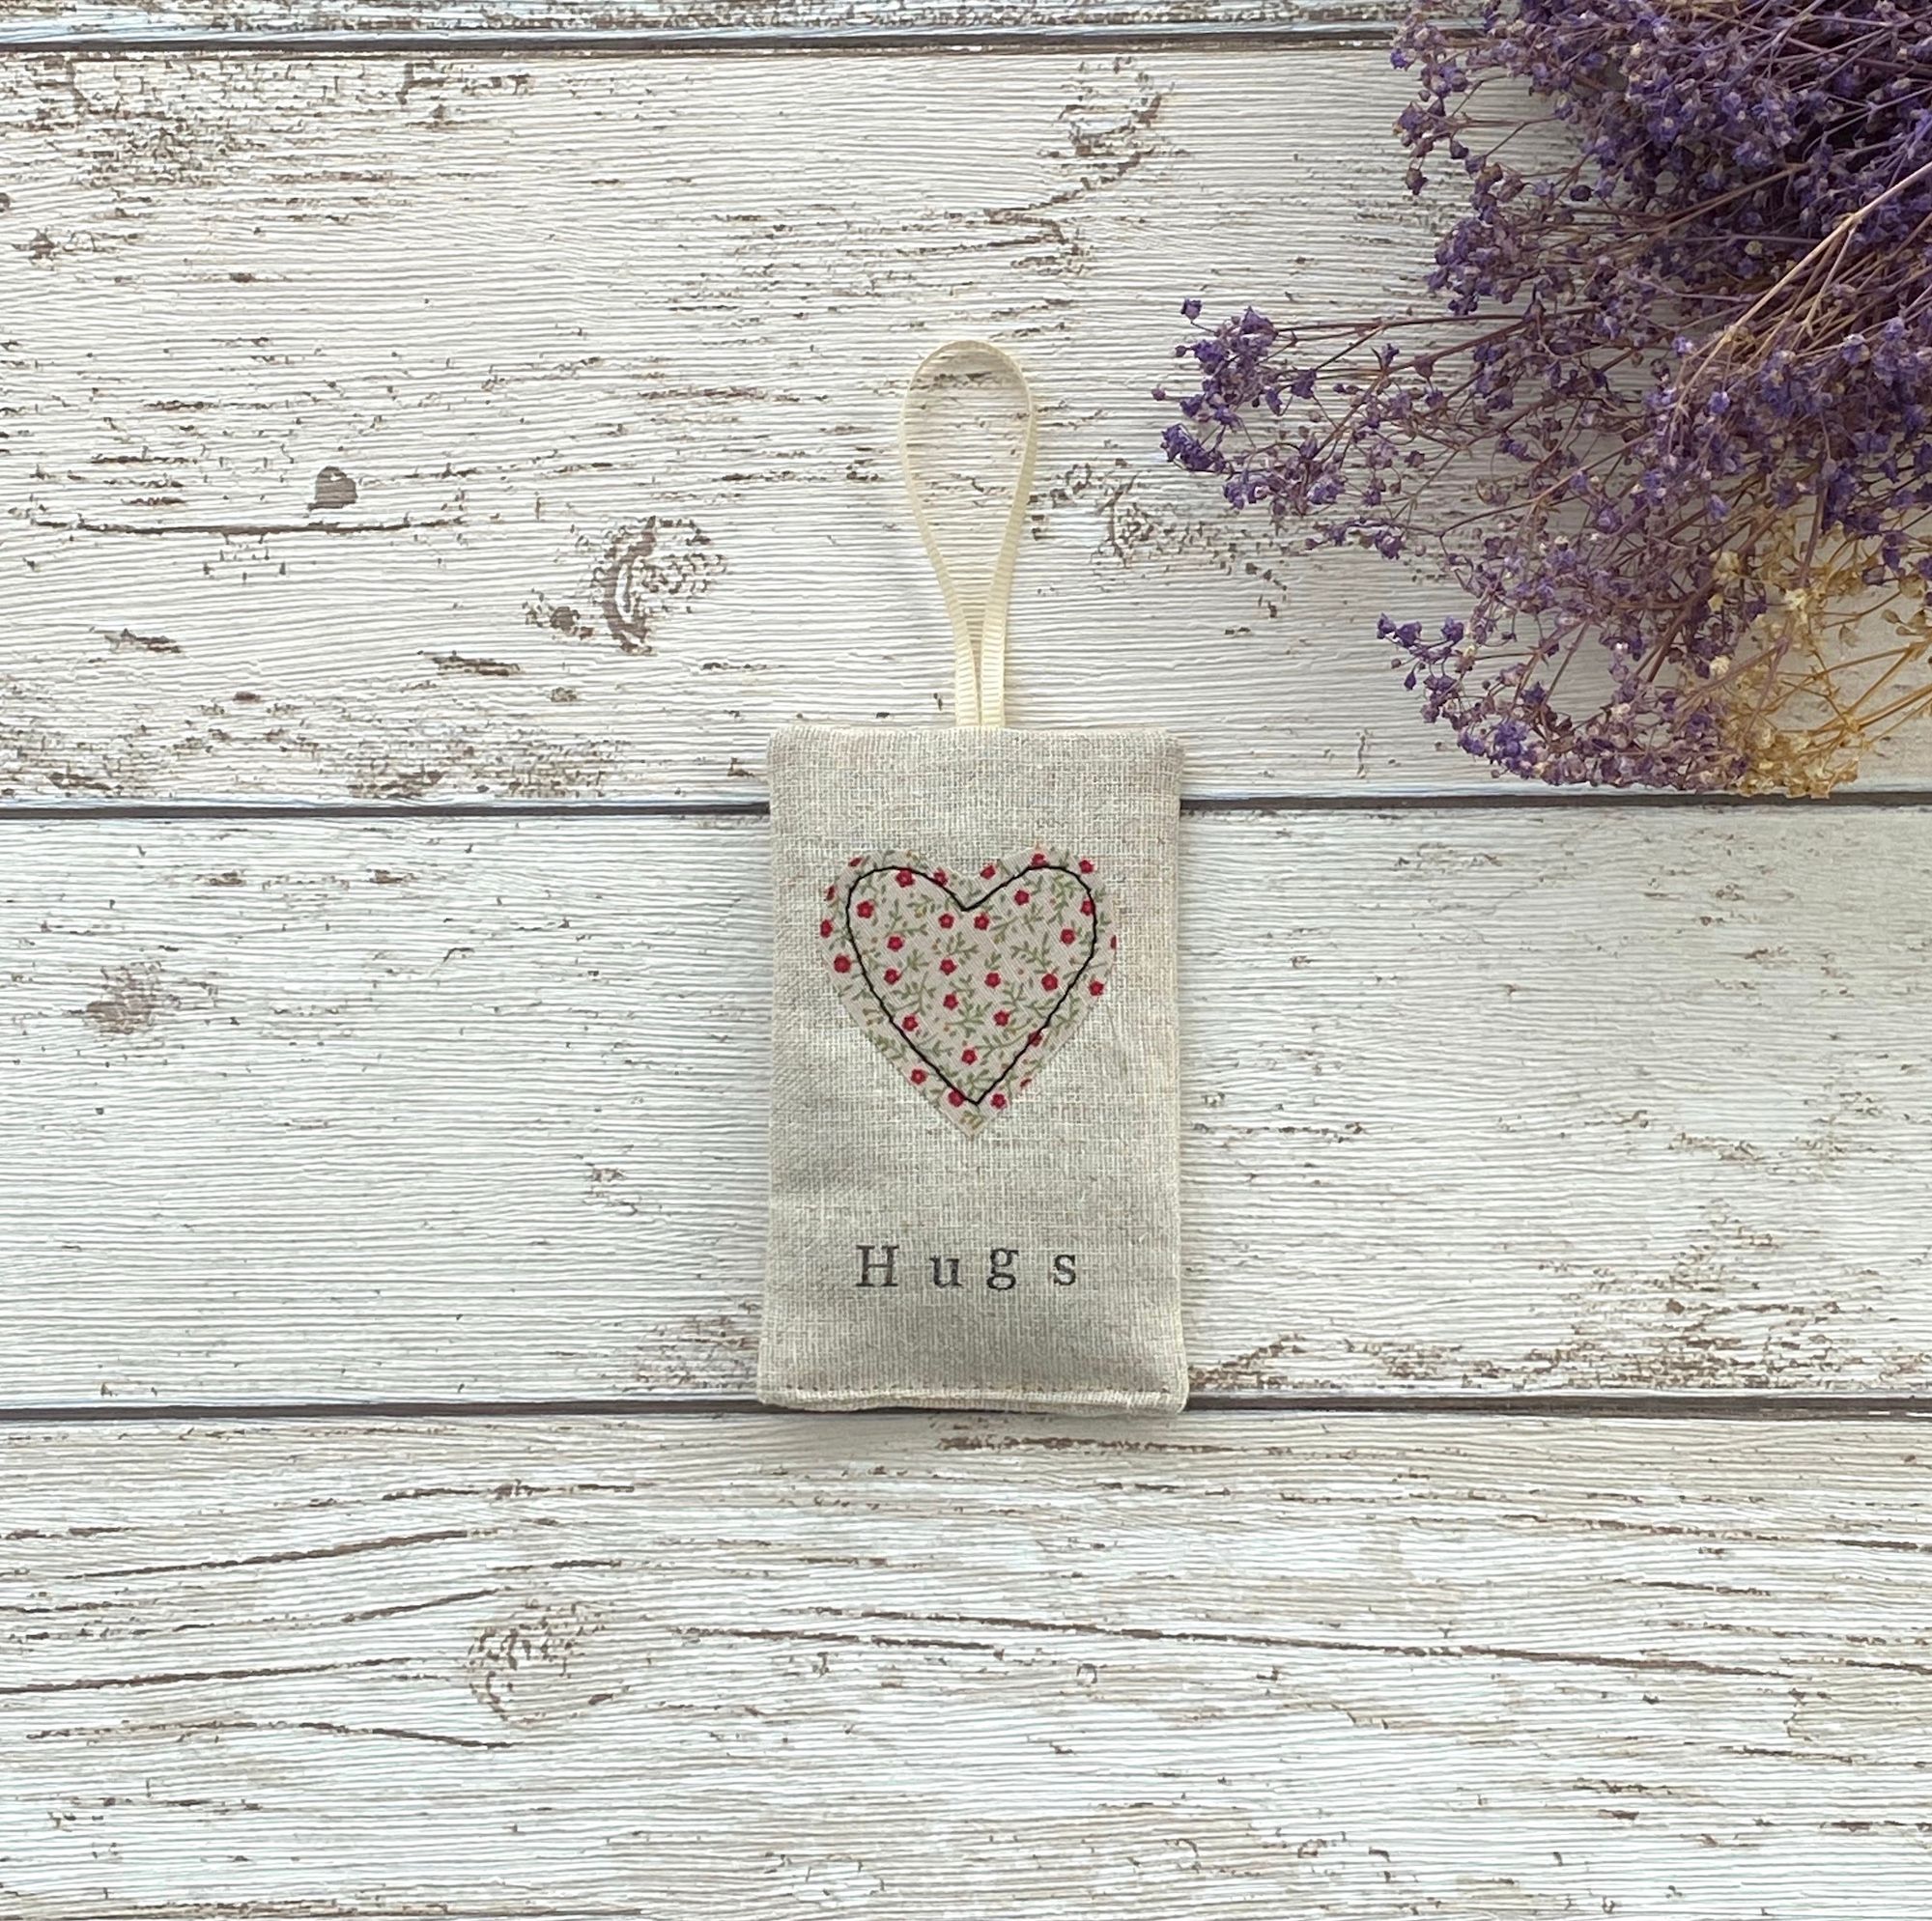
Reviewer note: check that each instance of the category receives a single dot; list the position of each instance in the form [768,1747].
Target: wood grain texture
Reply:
[386,429]
[724,22]
[881,1666]
[1490,1101]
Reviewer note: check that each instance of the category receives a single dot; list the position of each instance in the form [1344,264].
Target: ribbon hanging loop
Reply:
[978,651]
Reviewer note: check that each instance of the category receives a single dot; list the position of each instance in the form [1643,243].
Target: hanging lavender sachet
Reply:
[974,1187]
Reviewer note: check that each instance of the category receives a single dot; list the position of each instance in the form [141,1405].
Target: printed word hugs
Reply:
[881,1265]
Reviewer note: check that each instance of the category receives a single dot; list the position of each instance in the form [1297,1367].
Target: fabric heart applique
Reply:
[967,981]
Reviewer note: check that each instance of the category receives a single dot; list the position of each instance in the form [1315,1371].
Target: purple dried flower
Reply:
[1673,440]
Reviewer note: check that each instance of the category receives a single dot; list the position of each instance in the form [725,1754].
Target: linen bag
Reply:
[974,1185]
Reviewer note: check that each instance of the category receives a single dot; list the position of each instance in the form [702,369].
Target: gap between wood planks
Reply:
[491,42]
[1877,1408]
[1500,800]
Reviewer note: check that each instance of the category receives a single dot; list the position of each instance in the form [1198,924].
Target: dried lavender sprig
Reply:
[1685,374]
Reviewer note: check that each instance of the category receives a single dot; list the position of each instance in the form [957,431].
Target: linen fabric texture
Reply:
[974,1127]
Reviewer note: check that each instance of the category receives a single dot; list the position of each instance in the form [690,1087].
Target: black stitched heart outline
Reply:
[933,877]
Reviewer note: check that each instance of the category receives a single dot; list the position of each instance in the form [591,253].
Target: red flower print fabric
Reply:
[968,983]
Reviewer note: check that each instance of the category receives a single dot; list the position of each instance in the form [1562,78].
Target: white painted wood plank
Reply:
[1483,1101]
[28,22]
[609,354]
[1344,1669]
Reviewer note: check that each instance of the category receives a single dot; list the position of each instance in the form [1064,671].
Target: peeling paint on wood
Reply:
[1479,1102]
[333,490]
[127,640]
[647,572]
[465,664]
[132,999]
[414,428]
[611,352]
[726,21]
[1339,1668]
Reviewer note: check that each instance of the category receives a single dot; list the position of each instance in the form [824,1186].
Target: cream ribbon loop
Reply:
[979,658]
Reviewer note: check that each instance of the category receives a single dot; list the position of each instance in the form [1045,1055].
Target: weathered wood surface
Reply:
[388,429]
[722,22]
[609,355]
[379,430]
[1235,1667]
[1473,1101]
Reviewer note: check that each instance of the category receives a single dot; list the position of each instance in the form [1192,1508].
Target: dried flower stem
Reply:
[1691,392]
